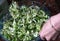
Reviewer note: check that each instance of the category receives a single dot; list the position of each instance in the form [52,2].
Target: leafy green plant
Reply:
[25,22]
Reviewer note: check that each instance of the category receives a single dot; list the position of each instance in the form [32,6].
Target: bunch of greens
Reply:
[25,22]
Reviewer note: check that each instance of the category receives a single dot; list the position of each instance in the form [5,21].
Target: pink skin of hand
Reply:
[48,32]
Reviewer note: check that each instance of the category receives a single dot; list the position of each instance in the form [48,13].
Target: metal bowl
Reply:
[33,3]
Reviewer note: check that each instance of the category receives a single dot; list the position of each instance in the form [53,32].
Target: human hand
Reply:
[49,30]
[58,39]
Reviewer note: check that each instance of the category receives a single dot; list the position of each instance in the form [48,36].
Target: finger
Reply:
[51,34]
[55,36]
[59,37]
